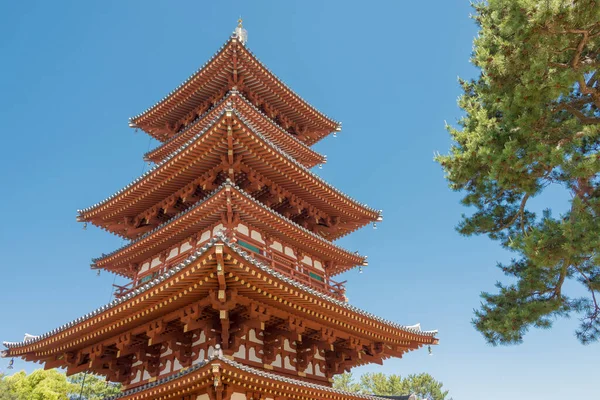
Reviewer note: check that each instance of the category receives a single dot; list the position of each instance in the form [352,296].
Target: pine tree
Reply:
[532,122]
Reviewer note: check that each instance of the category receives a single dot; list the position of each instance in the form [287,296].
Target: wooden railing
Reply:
[279,261]
[292,267]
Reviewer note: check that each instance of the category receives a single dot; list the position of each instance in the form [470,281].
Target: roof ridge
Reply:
[185,82]
[325,116]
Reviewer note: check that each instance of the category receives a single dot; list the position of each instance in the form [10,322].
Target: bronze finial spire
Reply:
[240,32]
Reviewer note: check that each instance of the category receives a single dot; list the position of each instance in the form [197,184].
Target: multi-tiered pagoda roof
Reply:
[230,253]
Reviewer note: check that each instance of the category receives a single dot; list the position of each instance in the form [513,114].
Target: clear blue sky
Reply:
[71,73]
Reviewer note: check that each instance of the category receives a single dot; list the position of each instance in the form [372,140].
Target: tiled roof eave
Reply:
[375,214]
[218,359]
[198,204]
[318,157]
[218,238]
[140,179]
[334,124]
[138,121]
[249,125]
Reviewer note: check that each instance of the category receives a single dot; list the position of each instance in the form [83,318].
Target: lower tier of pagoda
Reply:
[221,295]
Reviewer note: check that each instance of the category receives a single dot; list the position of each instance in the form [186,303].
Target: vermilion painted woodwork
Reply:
[231,257]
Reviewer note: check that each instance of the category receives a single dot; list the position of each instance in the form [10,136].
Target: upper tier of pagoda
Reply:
[229,147]
[269,128]
[234,67]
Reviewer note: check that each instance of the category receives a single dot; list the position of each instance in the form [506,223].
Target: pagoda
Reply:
[229,253]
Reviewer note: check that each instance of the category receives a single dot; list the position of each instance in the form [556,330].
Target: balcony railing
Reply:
[279,261]
[292,267]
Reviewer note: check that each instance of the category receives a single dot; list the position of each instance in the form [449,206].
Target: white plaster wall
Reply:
[318,371]
[205,236]
[203,397]
[241,353]
[253,338]
[286,346]
[138,377]
[173,253]
[257,236]
[166,369]
[201,339]
[289,252]
[201,357]
[318,265]
[277,246]
[155,262]
[176,365]
[185,247]
[287,364]
[238,396]
[145,267]
[252,356]
[217,229]
[243,229]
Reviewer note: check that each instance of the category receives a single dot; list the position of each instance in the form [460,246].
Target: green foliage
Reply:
[53,385]
[533,121]
[378,383]
[346,382]
[94,388]
[421,385]
[39,385]
[7,391]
